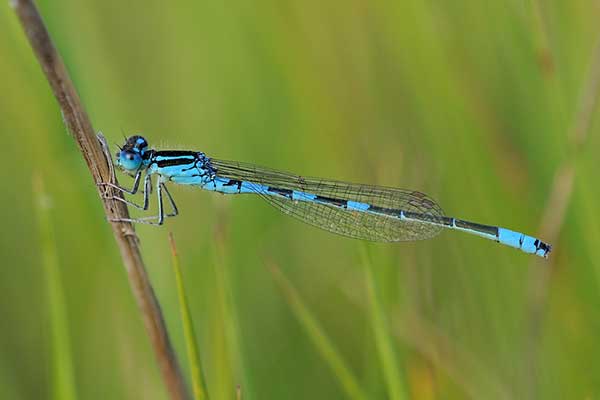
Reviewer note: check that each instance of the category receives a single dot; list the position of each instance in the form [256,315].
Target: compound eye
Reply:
[130,160]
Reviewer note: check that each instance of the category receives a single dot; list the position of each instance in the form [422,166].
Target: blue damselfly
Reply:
[367,212]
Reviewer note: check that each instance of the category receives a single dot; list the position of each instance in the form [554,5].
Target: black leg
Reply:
[155,219]
[161,212]
[174,211]
[133,190]
[147,190]
[129,203]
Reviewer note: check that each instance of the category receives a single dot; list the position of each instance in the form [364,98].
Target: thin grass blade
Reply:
[63,378]
[316,333]
[198,381]
[381,329]
[228,335]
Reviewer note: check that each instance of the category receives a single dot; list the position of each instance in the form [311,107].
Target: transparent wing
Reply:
[336,219]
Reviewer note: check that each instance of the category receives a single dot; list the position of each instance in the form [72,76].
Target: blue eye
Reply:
[129,160]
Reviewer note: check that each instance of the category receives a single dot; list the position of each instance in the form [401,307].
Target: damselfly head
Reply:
[131,155]
[136,143]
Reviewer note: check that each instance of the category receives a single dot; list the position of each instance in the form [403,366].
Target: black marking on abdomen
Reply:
[448,221]
[491,230]
[234,182]
[415,216]
[383,210]
[539,245]
[392,212]
[283,192]
[434,219]
[332,201]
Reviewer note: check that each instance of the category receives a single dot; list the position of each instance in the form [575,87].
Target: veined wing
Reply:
[359,211]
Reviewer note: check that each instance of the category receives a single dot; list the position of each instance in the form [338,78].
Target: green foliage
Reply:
[61,370]
[317,335]
[193,353]
[477,103]
[382,332]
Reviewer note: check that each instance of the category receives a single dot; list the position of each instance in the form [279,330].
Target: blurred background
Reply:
[489,107]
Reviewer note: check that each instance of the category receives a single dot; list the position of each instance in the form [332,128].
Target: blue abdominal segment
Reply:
[525,243]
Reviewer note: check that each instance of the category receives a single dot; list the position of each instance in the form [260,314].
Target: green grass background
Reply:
[469,101]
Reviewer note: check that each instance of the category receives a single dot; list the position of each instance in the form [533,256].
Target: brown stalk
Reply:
[80,127]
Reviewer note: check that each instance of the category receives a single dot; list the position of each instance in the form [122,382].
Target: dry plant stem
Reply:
[80,128]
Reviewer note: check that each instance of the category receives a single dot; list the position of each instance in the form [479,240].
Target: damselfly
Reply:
[367,212]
